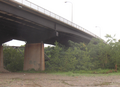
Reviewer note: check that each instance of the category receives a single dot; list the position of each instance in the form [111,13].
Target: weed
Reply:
[104,83]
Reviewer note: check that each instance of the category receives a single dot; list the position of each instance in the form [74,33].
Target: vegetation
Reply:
[95,57]
[13,58]
[97,54]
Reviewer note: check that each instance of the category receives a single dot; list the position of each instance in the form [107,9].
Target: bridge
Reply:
[23,20]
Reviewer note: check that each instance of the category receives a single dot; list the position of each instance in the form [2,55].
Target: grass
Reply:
[97,72]
[104,83]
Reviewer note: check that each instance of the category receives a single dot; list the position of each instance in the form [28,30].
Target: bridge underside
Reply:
[33,27]
[13,27]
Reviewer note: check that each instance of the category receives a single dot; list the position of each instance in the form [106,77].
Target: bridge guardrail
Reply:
[53,15]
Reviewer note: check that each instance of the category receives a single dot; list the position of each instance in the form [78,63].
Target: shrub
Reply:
[13,59]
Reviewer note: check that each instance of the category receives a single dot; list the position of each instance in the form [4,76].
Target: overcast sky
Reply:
[105,14]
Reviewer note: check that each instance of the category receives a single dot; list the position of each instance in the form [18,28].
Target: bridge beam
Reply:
[34,57]
[1,56]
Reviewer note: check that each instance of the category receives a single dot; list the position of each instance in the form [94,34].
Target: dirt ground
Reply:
[50,80]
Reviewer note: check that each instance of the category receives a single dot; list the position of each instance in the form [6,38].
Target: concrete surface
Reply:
[34,57]
[1,56]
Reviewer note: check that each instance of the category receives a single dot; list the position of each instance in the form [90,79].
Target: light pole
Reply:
[100,29]
[71,9]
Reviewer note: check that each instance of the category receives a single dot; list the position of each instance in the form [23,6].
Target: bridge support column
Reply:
[34,57]
[1,56]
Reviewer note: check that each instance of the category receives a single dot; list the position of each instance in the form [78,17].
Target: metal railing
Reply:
[53,15]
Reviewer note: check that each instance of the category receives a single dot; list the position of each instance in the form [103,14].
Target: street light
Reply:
[100,29]
[71,9]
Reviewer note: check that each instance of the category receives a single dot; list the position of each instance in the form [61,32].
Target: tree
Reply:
[115,49]
[13,59]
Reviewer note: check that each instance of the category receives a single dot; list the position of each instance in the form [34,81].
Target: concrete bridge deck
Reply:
[28,24]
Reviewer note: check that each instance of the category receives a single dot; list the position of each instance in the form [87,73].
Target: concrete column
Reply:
[1,56]
[34,57]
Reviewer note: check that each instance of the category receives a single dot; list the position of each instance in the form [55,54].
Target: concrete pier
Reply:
[34,57]
[1,56]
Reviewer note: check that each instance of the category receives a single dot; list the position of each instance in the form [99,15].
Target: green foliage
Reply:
[76,57]
[13,59]
[80,57]
[114,50]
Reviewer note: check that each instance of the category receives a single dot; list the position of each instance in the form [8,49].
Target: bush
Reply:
[13,59]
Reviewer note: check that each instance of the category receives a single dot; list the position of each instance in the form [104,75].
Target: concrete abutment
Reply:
[34,56]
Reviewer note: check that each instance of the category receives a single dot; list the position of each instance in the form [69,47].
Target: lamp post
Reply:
[71,9]
[100,29]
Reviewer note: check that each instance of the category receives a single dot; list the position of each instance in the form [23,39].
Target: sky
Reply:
[100,17]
